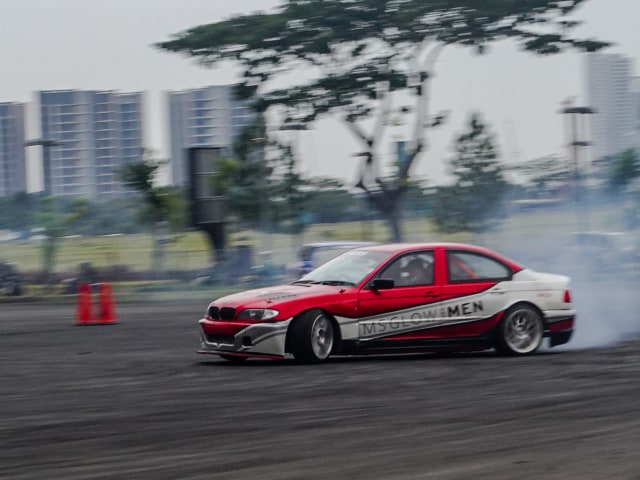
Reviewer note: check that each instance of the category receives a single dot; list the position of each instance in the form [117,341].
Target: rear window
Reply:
[468,266]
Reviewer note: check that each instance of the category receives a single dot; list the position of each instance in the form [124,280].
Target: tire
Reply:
[233,358]
[312,337]
[520,332]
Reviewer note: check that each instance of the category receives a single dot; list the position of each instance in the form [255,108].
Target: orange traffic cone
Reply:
[107,305]
[83,309]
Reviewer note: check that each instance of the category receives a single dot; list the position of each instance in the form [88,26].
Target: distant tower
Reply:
[209,117]
[13,177]
[608,83]
[96,132]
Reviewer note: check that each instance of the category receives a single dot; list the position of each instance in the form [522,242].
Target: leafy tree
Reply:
[290,203]
[329,200]
[140,177]
[360,51]
[260,182]
[624,168]
[471,203]
[55,223]
[160,202]
[117,215]
[54,215]
[245,179]
[417,203]
[620,173]
[17,211]
[80,219]
[544,177]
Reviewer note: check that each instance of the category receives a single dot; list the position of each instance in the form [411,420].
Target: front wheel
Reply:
[312,337]
[520,332]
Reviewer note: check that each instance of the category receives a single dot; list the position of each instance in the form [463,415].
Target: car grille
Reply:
[224,339]
[225,313]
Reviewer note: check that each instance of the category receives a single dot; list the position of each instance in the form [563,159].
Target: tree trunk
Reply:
[395,226]
[394,217]
[215,233]
[388,204]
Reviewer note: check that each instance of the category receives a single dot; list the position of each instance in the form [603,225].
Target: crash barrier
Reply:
[106,313]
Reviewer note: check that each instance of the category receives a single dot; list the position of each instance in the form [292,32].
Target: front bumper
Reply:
[265,340]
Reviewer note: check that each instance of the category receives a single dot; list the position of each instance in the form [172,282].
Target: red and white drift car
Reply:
[395,298]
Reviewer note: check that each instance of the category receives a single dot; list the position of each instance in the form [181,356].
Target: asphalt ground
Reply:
[133,400]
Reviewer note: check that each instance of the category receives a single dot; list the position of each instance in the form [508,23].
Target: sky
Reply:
[108,45]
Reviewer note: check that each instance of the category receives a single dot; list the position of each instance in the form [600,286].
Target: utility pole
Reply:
[576,131]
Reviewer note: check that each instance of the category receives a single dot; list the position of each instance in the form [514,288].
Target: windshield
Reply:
[350,268]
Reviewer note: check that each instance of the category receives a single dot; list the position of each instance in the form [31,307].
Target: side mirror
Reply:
[382,284]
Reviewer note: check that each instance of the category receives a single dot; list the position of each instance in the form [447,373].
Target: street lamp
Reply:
[577,114]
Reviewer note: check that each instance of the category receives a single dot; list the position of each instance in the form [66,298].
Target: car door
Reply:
[389,311]
[472,293]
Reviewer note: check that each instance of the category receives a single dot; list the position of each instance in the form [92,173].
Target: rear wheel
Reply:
[520,332]
[312,337]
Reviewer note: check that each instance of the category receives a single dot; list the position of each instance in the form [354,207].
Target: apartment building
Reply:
[614,126]
[95,132]
[203,117]
[13,176]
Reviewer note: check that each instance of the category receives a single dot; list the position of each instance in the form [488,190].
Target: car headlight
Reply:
[257,314]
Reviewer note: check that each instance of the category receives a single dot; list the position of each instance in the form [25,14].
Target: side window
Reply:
[411,269]
[469,267]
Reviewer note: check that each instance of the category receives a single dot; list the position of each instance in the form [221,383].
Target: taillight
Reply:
[567,296]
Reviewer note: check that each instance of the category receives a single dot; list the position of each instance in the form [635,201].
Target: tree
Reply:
[80,216]
[545,177]
[55,223]
[245,179]
[292,197]
[623,169]
[363,50]
[330,201]
[16,211]
[140,177]
[259,181]
[160,202]
[471,203]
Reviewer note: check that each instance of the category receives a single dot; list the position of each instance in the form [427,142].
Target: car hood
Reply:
[271,297]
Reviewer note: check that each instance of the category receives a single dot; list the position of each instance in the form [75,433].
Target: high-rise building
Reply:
[614,124]
[96,132]
[203,117]
[13,177]
[635,95]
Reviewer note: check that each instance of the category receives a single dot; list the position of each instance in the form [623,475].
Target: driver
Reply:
[415,273]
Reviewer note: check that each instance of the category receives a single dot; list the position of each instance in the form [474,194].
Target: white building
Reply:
[96,132]
[203,117]
[614,126]
[635,102]
[13,177]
